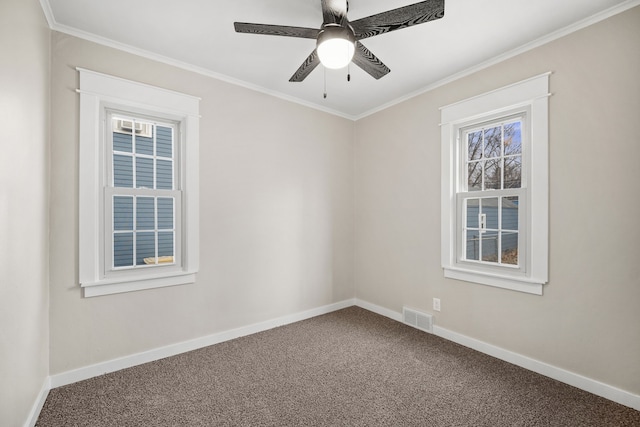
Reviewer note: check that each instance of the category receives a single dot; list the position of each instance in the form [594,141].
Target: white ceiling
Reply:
[199,35]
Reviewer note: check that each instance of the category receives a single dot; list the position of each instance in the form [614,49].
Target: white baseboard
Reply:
[97,369]
[379,310]
[587,384]
[39,403]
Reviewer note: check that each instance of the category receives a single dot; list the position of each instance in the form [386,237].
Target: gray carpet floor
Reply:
[347,368]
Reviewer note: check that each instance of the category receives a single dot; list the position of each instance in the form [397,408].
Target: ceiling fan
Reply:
[338,40]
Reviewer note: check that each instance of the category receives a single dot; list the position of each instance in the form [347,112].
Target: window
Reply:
[138,186]
[495,187]
[489,193]
[141,195]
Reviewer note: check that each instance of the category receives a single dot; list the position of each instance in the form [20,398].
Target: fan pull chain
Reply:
[348,68]
[325,81]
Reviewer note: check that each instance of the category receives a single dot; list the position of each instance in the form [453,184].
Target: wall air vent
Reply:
[417,319]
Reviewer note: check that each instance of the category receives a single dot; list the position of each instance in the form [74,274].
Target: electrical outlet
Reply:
[436,304]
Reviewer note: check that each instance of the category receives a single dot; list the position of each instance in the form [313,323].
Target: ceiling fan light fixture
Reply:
[335,46]
[338,39]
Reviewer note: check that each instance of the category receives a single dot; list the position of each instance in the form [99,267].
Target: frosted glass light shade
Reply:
[336,46]
[336,53]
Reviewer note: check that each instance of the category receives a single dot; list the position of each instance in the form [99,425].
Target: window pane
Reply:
[512,138]
[490,246]
[122,171]
[509,248]
[122,213]
[145,248]
[144,145]
[493,175]
[122,142]
[164,141]
[474,145]
[493,142]
[122,249]
[144,172]
[472,212]
[513,172]
[473,245]
[165,213]
[474,181]
[510,213]
[164,174]
[165,243]
[145,213]
[490,209]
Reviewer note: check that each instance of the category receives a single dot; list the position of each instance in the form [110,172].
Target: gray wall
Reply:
[588,320]
[276,215]
[24,244]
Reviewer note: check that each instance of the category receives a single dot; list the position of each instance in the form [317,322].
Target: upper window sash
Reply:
[149,144]
[496,146]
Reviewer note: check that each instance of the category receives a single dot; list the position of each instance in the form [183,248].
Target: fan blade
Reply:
[306,68]
[366,60]
[334,11]
[397,19]
[276,30]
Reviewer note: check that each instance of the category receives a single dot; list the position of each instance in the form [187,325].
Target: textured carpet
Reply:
[347,368]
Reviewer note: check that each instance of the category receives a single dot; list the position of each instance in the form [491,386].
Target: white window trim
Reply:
[99,92]
[533,94]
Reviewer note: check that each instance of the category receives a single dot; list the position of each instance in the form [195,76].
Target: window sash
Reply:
[108,268]
[519,115]
[156,157]
[462,260]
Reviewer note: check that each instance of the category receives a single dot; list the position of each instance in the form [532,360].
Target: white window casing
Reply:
[100,94]
[527,99]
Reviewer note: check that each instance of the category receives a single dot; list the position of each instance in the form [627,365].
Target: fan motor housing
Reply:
[335,31]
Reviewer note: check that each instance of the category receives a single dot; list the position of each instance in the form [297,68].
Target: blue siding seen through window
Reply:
[153,159]
[164,142]
[123,213]
[144,172]
[143,226]
[122,171]
[154,222]
[165,243]
[500,232]
[122,142]
[123,250]
[145,213]
[164,174]
[165,213]
[144,145]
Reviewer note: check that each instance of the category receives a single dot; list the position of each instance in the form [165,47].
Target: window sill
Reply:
[129,284]
[520,284]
